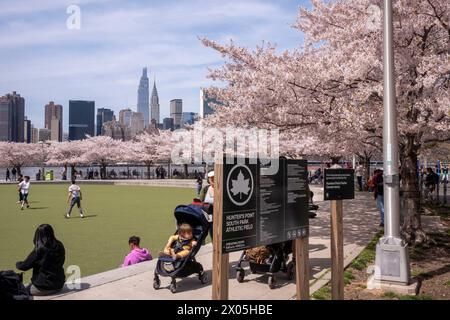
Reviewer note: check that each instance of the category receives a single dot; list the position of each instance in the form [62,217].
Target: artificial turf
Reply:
[98,242]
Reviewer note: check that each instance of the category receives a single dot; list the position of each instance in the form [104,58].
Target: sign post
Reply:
[220,259]
[254,208]
[339,184]
[301,253]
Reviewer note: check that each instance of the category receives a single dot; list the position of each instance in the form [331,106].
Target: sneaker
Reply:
[67,216]
[28,206]
[81,216]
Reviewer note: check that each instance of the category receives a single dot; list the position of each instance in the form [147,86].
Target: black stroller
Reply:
[167,267]
[277,261]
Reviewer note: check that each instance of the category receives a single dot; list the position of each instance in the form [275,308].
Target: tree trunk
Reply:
[103,173]
[411,228]
[148,170]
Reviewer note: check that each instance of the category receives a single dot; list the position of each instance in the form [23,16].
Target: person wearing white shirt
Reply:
[74,198]
[24,189]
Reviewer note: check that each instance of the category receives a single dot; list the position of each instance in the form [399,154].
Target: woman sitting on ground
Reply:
[46,260]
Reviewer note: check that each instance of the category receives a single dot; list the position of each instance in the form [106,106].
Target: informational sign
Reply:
[260,209]
[339,184]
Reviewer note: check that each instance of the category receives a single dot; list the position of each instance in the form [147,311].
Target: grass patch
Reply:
[323,293]
[367,255]
[348,277]
[447,283]
[100,241]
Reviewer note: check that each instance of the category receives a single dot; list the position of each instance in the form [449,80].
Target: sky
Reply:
[102,60]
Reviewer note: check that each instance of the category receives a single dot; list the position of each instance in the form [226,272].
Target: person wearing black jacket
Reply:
[46,260]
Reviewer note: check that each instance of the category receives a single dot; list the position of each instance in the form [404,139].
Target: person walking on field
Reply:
[8,176]
[74,198]
[24,188]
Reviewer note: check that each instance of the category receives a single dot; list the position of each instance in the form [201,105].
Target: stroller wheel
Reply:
[156,284]
[240,275]
[271,282]
[203,277]
[173,286]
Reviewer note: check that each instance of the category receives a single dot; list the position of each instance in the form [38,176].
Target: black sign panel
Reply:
[339,184]
[260,208]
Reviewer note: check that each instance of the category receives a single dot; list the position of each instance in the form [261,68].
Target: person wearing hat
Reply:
[207,197]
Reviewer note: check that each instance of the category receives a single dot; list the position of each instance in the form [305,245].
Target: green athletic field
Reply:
[98,242]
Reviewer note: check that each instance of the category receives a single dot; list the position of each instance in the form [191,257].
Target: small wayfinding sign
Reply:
[261,209]
[339,184]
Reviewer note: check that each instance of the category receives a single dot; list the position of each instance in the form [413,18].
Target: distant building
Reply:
[12,117]
[143,98]
[54,120]
[205,108]
[27,130]
[125,117]
[168,124]
[137,123]
[176,111]
[34,134]
[56,130]
[114,130]
[154,104]
[81,119]
[188,118]
[45,134]
[103,115]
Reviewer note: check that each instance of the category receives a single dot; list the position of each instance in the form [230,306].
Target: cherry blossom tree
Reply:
[67,153]
[151,148]
[18,155]
[331,87]
[103,150]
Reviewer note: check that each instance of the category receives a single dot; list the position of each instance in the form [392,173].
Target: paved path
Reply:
[135,282]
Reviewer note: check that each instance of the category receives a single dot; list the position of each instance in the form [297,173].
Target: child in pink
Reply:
[137,253]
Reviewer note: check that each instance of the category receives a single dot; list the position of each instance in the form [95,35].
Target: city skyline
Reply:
[93,63]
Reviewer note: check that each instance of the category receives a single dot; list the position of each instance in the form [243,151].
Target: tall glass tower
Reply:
[143,98]
[154,104]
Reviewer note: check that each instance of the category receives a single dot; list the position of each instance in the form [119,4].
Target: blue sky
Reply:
[43,60]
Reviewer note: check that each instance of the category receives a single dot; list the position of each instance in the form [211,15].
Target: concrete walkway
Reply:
[135,282]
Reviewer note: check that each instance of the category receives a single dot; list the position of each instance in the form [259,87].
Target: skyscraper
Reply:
[34,134]
[168,124]
[125,117]
[12,116]
[137,123]
[56,130]
[205,107]
[54,112]
[188,118]
[176,111]
[103,115]
[154,104]
[27,130]
[143,98]
[81,119]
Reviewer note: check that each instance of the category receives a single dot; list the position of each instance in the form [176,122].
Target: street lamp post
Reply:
[392,260]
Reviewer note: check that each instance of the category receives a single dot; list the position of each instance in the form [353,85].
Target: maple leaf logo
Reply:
[240,186]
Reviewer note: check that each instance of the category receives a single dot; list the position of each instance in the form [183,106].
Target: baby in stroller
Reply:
[180,245]
[178,258]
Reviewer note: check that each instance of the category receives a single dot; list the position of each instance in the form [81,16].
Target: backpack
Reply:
[11,286]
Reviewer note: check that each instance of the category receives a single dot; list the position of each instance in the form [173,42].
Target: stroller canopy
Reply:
[191,214]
